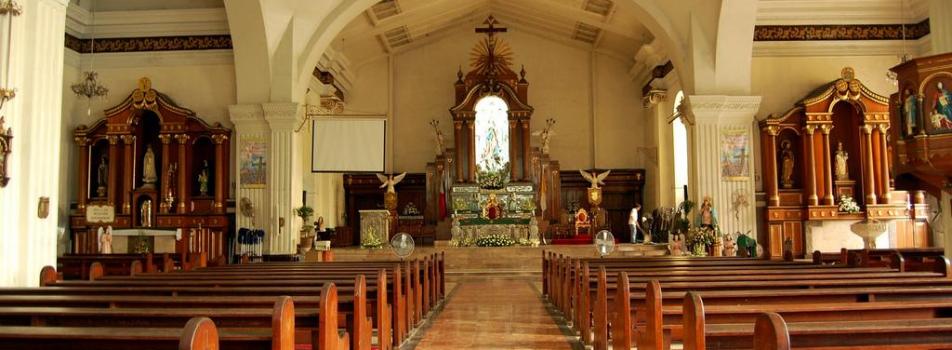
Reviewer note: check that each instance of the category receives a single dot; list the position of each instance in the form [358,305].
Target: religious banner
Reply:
[252,162]
[735,155]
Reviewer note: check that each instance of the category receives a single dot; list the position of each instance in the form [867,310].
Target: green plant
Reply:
[304,212]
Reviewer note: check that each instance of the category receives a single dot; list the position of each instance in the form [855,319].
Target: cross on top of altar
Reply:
[491,28]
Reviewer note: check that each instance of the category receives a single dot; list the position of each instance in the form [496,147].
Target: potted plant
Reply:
[307,230]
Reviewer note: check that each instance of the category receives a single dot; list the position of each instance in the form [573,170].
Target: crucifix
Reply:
[490,31]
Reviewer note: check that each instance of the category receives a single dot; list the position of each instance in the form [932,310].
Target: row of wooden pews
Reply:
[281,306]
[77,266]
[715,303]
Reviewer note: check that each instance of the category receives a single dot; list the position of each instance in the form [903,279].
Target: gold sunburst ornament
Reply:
[491,55]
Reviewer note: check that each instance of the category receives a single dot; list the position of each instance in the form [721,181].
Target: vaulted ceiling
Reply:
[396,25]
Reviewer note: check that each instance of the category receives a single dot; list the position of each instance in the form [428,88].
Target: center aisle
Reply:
[495,313]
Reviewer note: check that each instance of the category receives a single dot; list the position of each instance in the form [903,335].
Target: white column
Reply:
[940,26]
[35,115]
[250,126]
[712,117]
[284,182]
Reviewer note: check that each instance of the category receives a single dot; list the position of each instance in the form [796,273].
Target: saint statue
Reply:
[842,171]
[203,180]
[730,248]
[942,108]
[102,175]
[440,145]
[677,245]
[786,177]
[910,111]
[545,135]
[148,167]
[456,231]
[105,240]
[707,216]
[145,213]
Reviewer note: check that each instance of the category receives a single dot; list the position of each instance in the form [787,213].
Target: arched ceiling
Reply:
[393,26]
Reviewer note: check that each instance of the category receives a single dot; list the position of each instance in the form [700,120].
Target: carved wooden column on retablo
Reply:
[773,192]
[471,143]
[828,199]
[457,141]
[83,184]
[113,169]
[128,178]
[512,150]
[166,182]
[220,167]
[525,150]
[884,165]
[811,165]
[182,171]
[869,167]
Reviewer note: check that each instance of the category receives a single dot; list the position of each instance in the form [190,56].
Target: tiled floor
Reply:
[495,313]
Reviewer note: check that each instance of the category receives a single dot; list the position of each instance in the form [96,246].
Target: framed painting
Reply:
[735,155]
[936,94]
[253,162]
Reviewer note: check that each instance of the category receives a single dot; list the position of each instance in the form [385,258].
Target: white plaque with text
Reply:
[101,214]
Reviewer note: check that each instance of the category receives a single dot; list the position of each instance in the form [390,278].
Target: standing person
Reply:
[633,222]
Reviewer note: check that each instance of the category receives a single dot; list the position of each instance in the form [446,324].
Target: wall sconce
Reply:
[43,208]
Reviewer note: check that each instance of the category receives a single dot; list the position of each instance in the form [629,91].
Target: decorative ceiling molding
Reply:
[817,32]
[148,44]
[146,23]
[151,59]
[914,48]
[800,12]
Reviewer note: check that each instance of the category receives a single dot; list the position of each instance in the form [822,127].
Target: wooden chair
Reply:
[582,221]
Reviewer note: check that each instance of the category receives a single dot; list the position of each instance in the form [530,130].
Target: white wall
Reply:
[560,87]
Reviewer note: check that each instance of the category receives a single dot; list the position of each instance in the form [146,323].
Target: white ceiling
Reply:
[397,25]
[138,5]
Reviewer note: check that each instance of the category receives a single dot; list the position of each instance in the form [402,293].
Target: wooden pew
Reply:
[770,332]
[198,334]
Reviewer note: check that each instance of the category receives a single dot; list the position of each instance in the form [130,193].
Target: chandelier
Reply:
[9,9]
[89,86]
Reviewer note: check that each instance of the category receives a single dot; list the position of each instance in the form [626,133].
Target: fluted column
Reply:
[884,164]
[284,179]
[811,165]
[113,169]
[869,179]
[471,137]
[83,185]
[827,165]
[183,200]
[512,150]
[457,141]
[525,151]
[773,192]
[128,178]
[166,183]
[220,169]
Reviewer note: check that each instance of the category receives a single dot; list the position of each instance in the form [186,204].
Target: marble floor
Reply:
[494,313]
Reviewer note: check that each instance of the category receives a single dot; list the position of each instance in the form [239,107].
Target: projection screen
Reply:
[348,145]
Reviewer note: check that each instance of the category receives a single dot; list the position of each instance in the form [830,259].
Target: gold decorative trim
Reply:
[826,32]
[148,44]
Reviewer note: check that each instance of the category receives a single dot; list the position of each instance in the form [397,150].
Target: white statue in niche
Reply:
[842,171]
[149,176]
[105,240]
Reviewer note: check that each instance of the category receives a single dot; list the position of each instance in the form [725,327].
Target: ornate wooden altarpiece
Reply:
[533,175]
[110,172]
[808,137]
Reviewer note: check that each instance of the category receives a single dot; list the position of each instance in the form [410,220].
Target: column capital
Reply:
[128,139]
[825,128]
[866,128]
[219,139]
[721,109]
[281,115]
[81,141]
[653,97]
[882,127]
[809,129]
[773,130]
[181,138]
[113,139]
[165,139]
[246,115]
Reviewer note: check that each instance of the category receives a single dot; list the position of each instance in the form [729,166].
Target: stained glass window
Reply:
[492,138]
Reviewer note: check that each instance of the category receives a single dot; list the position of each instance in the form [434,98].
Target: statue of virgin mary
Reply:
[149,176]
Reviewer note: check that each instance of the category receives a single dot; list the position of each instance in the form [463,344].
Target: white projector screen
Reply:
[348,145]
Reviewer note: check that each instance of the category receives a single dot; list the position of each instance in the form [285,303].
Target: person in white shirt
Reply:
[633,222]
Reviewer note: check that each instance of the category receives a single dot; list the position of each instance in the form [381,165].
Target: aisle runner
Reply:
[494,313]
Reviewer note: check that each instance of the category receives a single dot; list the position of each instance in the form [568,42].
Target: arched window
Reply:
[492,135]
[680,148]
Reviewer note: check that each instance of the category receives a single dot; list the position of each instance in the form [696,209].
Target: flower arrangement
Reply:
[700,239]
[493,180]
[372,240]
[495,241]
[848,205]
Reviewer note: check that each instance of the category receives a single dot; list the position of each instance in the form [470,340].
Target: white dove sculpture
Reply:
[389,181]
[594,178]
